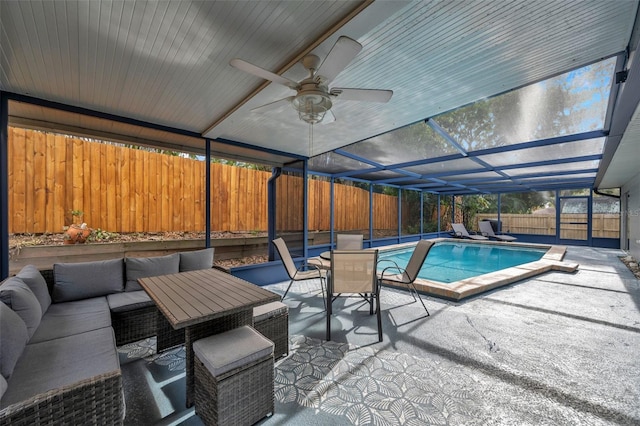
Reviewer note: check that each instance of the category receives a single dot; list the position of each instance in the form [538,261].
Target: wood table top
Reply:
[193,297]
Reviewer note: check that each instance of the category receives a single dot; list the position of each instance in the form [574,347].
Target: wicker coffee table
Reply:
[204,302]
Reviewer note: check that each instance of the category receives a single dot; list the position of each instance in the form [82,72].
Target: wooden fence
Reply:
[603,225]
[130,190]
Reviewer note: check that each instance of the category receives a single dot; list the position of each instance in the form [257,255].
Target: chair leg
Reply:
[322,287]
[413,288]
[379,316]
[328,309]
[287,291]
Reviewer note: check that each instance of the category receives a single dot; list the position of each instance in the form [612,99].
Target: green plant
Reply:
[102,235]
[77,214]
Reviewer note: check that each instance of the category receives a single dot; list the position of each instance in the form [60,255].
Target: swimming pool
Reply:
[454,261]
[457,285]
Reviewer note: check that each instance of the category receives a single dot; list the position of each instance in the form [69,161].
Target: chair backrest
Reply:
[283,251]
[349,241]
[354,271]
[459,228]
[486,228]
[417,259]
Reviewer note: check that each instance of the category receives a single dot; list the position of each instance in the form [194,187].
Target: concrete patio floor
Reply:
[559,348]
[556,349]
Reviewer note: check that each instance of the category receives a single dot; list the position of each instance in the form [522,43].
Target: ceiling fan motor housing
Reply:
[312,102]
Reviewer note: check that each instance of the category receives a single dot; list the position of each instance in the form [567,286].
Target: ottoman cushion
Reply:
[232,349]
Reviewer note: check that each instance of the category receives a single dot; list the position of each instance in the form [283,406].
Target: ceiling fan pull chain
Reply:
[310,139]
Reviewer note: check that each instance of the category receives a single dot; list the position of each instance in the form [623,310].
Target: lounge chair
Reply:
[304,272]
[396,275]
[487,231]
[461,232]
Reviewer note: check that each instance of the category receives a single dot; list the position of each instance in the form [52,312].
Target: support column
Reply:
[207,194]
[271,210]
[4,186]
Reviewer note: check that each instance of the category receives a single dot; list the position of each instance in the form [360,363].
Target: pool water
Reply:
[454,261]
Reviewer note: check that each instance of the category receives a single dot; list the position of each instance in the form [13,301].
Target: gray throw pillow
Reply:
[76,281]
[16,295]
[36,282]
[13,339]
[198,259]
[143,267]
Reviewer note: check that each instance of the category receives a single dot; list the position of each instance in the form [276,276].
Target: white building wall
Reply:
[632,189]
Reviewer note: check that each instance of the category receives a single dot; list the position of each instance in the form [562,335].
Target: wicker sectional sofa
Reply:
[59,330]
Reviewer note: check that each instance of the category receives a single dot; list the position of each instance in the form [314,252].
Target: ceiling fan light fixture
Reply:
[312,106]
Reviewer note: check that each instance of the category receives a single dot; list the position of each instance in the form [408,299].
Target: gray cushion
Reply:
[69,318]
[17,295]
[75,281]
[142,267]
[248,346]
[3,385]
[198,259]
[129,300]
[36,282]
[13,339]
[60,362]
[266,311]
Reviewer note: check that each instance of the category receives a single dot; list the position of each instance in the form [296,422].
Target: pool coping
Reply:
[458,290]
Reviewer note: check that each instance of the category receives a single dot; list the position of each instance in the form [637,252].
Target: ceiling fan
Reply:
[313,99]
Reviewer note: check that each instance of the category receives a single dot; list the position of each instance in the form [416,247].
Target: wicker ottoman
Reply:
[272,320]
[234,377]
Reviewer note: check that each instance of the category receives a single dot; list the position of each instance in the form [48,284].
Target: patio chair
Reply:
[487,230]
[304,272]
[461,232]
[349,241]
[354,272]
[408,275]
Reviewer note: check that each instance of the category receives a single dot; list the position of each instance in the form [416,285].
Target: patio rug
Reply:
[368,386]
[322,382]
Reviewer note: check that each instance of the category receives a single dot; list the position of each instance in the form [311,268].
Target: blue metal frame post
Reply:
[271,209]
[439,221]
[558,214]
[331,212]
[421,213]
[370,215]
[305,209]
[590,219]
[207,193]
[399,214]
[4,186]
[499,212]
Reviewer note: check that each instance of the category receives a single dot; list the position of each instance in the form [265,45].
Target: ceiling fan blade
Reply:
[262,73]
[273,105]
[367,95]
[338,58]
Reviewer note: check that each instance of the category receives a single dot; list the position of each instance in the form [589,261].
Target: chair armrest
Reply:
[309,267]
[388,260]
[394,267]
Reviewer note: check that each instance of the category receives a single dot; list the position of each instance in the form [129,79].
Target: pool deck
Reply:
[458,290]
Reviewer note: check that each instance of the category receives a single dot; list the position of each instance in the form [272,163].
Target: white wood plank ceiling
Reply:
[167,62]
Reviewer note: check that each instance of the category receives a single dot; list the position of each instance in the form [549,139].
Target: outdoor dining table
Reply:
[323,261]
[204,302]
